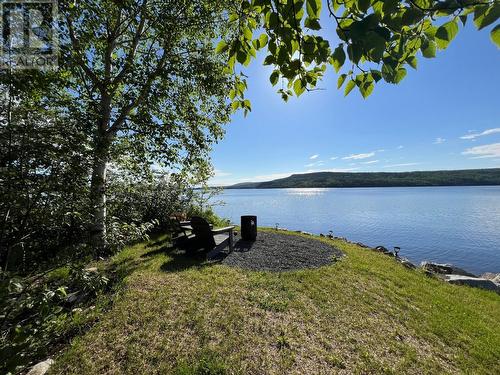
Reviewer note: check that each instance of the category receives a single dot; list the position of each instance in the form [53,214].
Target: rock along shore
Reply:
[446,272]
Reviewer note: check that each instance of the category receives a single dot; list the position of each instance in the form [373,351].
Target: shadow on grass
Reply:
[158,242]
[181,260]
[243,246]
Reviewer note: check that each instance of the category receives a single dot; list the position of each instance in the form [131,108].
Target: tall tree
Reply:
[147,82]
[375,39]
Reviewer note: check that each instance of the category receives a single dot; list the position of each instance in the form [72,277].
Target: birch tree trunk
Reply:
[98,195]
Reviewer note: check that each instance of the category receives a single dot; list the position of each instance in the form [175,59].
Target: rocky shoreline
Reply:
[445,272]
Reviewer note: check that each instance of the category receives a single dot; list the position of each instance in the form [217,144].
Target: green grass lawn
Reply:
[364,314]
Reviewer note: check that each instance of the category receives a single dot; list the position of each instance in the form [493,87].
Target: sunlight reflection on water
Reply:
[306,191]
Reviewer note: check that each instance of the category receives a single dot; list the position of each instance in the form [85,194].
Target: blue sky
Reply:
[444,115]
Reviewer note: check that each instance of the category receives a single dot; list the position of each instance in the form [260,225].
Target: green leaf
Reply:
[378,8]
[233,17]
[355,52]
[269,60]
[388,73]
[338,58]
[446,33]
[412,16]
[235,105]
[429,49]
[400,74]
[247,33]
[273,20]
[375,44]
[412,61]
[366,88]
[312,23]
[222,46]
[390,6]
[376,75]
[348,88]
[313,8]
[260,42]
[282,55]
[341,80]
[495,35]
[485,15]
[298,87]
[274,77]
[243,57]
[263,39]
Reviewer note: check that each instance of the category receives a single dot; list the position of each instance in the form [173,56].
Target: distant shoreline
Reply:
[349,187]
[465,177]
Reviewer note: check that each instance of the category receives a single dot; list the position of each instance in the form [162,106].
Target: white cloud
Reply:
[359,156]
[370,162]
[329,170]
[400,147]
[334,157]
[439,140]
[475,135]
[485,151]
[381,150]
[400,165]
[315,164]
[219,173]
[314,157]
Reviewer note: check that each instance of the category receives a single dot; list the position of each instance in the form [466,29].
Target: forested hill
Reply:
[465,177]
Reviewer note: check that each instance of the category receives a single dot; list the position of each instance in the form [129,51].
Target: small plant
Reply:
[282,341]
[88,280]
[122,233]
[32,317]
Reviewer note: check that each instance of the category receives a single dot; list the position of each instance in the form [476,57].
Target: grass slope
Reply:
[364,314]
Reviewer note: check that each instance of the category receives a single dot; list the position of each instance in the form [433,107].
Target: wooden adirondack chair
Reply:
[212,240]
[181,232]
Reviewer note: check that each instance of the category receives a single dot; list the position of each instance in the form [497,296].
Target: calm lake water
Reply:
[458,225]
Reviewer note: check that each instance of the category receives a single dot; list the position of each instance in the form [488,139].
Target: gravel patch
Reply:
[280,252]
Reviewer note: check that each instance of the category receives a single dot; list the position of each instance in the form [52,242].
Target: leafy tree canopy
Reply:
[376,40]
[148,83]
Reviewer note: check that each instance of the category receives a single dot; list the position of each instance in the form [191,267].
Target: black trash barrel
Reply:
[249,227]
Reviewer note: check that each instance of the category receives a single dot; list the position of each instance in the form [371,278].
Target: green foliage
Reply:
[87,280]
[140,200]
[121,233]
[41,310]
[373,34]
[446,33]
[150,69]
[44,160]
